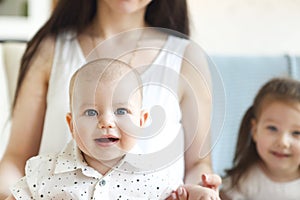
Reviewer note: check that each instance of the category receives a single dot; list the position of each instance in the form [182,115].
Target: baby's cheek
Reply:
[85,126]
[127,142]
[129,125]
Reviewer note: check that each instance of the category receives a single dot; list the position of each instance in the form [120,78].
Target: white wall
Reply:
[246,26]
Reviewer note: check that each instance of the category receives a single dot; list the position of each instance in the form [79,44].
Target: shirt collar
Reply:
[71,159]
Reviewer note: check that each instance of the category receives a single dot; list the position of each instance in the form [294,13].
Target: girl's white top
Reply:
[256,185]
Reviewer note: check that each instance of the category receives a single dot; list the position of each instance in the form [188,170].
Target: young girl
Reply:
[267,157]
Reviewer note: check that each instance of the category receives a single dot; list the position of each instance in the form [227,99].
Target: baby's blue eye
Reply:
[91,112]
[121,111]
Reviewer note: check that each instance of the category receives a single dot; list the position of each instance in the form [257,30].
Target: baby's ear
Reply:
[70,122]
[144,117]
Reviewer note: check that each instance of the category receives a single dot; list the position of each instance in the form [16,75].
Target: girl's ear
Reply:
[144,117]
[70,122]
[254,129]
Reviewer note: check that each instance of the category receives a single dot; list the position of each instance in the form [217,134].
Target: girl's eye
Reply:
[296,133]
[91,112]
[272,128]
[121,111]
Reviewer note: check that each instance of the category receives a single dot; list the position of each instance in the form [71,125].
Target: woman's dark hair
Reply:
[76,15]
[278,89]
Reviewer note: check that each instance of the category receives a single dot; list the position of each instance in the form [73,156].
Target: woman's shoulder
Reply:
[49,42]
[176,44]
[46,48]
[42,59]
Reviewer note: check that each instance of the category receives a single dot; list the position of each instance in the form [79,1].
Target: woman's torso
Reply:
[160,88]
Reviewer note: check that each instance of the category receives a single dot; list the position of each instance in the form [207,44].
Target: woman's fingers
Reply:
[212,181]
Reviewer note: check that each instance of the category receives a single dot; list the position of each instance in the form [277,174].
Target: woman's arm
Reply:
[28,118]
[10,197]
[196,107]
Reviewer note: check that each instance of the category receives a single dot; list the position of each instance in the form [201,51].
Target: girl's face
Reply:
[276,133]
[125,6]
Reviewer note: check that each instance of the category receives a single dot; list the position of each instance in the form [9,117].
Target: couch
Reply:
[10,55]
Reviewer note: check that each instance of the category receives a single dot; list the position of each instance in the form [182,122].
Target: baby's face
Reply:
[98,112]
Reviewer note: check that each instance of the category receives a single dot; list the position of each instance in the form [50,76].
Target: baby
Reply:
[105,119]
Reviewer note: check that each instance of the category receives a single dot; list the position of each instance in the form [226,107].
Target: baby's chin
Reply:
[111,155]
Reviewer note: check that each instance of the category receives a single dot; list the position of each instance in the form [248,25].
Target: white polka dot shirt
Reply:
[67,176]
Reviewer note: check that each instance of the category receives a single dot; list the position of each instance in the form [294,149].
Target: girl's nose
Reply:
[283,140]
[106,121]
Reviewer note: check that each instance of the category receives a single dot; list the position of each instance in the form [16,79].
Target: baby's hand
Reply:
[194,192]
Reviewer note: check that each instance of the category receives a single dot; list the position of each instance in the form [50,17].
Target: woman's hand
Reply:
[209,189]
[194,192]
[212,181]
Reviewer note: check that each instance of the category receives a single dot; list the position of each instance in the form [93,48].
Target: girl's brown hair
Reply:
[278,89]
[76,15]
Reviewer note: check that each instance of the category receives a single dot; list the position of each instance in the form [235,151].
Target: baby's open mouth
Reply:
[107,140]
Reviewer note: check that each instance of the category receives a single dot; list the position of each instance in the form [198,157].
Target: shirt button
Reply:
[102,182]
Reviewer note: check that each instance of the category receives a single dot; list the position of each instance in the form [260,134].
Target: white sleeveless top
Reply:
[160,88]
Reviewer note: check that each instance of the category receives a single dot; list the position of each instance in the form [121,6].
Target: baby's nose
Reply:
[106,121]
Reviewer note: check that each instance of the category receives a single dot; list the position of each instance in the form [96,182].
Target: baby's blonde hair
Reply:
[104,70]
